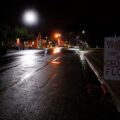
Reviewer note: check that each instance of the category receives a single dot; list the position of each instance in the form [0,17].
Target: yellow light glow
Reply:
[56,50]
[56,35]
[55,61]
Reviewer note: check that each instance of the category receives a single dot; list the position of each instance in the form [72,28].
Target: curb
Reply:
[103,84]
[94,70]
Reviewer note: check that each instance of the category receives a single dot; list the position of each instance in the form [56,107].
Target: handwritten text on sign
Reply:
[112,58]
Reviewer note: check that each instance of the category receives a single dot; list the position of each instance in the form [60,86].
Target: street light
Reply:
[83,32]
[58,35]
[30,17]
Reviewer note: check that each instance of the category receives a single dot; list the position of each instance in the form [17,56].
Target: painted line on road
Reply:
[4,69]
[50,79]
[55,60]
[24,78]
[28,76]
[6,88]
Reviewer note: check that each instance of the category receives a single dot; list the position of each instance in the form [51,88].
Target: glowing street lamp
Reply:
[58,35]
[30,17]
[83,32]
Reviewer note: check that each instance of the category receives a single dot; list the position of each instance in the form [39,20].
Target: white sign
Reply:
[112,58]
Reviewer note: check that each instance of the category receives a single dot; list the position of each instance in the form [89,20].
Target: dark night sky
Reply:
[98,18]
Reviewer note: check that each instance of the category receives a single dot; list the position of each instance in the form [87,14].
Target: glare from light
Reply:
[57,35]
[82,56]
[27,75]
[55,61]
[30,17]
[56,50]
[28,59]
[83,32]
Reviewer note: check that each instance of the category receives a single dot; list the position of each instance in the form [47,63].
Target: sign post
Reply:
[112,58]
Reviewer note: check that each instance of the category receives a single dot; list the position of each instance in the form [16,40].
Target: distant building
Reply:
[37,43]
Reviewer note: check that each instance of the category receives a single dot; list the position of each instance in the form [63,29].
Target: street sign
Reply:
[112,58]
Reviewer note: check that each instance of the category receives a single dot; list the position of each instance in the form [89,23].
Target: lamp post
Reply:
[58,35]
[84,41]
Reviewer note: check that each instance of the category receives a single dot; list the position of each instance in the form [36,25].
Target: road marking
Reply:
[6,88]
[56,58]
[29,75]
[4,69]
[56,62]
[50,79]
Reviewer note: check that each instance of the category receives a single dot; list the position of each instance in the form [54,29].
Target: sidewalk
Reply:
[95,59]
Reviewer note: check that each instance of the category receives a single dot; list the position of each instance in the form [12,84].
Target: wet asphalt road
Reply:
[35,85]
